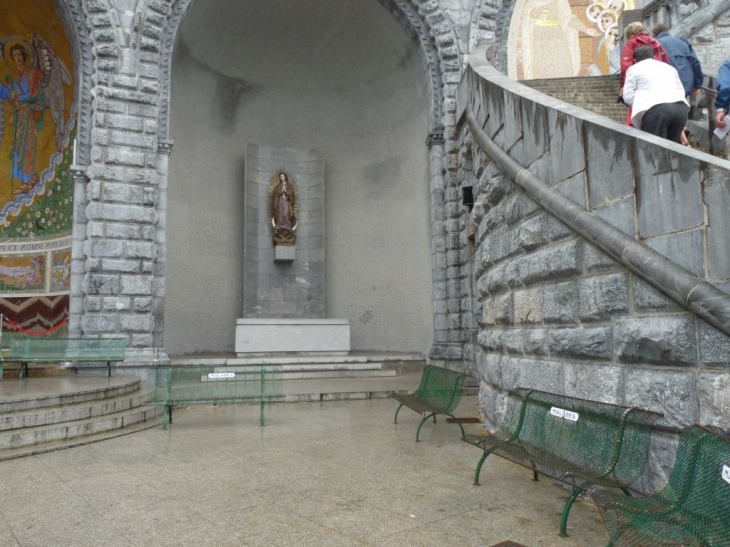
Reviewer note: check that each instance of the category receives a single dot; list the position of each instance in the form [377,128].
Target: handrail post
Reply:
[263,379]
[168,407]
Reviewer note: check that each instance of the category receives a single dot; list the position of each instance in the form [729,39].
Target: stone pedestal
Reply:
[292,335]
[284,254]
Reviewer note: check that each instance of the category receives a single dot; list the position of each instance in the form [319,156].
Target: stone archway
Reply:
[427,25]
[437,47]
[84,46]
[63,25]
[120,213]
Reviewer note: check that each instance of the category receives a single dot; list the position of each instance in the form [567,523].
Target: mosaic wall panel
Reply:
[564,38]
[37,129]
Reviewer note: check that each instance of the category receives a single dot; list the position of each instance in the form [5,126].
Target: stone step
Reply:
[309,374]
[31,450]
[17,395]
[315,397]
[36,370]
[300,359]
[307,367]
[71,412]
[78,428]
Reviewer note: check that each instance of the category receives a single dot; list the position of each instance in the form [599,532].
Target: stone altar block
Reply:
[292,335]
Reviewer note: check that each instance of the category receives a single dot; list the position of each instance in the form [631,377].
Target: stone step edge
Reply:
[314,397]
[313,375]
[84,395]
[53,446]
[59,414]
[71,424]
[298,359]
[303,368]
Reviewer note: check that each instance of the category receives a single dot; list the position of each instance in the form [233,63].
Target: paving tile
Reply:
[424,536]
[306,535]
[334,473]
[357,519]
[6,535]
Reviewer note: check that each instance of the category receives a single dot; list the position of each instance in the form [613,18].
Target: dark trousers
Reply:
[666,120]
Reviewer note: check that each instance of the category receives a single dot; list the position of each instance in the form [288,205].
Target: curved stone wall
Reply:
[557,313]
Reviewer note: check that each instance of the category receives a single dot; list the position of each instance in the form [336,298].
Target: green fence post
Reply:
[168,407]
[263,379]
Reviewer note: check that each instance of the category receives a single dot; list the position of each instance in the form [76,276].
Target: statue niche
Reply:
[284,207]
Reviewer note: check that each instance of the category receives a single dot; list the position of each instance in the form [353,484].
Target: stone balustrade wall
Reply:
[554,311]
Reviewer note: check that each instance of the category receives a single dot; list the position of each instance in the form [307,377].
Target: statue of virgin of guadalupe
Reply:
[283,208]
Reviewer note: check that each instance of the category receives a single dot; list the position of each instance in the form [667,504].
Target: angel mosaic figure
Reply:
[36,85]
[284,206]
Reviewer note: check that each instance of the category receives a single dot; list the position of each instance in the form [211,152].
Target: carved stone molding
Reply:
[434,138]
[164,146]
[80,36]
[78,173]
[484,22]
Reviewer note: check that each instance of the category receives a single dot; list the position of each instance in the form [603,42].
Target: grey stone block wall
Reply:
[120,215]
[557,313]
[295,289]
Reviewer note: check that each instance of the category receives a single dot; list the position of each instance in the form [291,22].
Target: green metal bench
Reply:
[581,443]
[201,384]
[439,393]
[73,350]
[693,508]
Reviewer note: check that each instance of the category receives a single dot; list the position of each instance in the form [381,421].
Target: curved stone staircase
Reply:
[44,414]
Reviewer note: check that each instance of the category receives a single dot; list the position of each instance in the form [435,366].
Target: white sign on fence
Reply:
[726,473]
[557,412]
[561,413]
[217,375]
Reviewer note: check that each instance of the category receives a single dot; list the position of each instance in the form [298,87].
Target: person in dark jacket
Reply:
[722,101]
[682,57]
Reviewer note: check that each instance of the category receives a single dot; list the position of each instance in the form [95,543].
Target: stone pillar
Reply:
[435,142]
[164,149]
[78,257]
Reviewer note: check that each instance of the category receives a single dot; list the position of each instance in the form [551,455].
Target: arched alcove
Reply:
[40,198]
[342,77]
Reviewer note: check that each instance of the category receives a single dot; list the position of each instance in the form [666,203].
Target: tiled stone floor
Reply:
[319,474]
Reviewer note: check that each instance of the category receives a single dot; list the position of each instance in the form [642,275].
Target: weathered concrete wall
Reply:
[558,314]
[284,289]
[341,77]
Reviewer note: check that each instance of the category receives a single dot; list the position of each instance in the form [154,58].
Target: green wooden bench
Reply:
[439,393]
[693,508]
[581,443]
[207,384]
[73,350]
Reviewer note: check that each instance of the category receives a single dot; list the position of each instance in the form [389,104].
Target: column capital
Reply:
[78,173]
[164,146]
[435,137]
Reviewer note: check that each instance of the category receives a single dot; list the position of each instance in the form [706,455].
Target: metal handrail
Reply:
[695,293]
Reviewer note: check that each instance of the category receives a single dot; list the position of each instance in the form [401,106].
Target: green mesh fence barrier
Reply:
[25,349]
[67,349]
[693,508]
[201,384]
[438,393]
[576,441]
[7,338]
